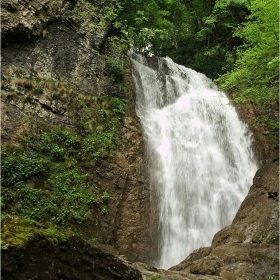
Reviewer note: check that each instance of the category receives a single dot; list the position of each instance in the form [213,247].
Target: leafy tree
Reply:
[194,33]
[210,48]
[205,36]
[151,25]
[255,74]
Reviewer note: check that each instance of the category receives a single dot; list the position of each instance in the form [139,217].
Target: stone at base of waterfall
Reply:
[71,259]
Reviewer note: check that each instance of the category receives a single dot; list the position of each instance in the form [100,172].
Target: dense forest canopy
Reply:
[235,42]
[197,34]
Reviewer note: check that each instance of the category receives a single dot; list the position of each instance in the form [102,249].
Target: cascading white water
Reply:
[202,163]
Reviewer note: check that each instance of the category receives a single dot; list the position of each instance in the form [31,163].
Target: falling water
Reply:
[202,163]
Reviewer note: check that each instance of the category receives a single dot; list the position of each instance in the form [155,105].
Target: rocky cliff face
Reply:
[266,137]
[55,55]
[72,259]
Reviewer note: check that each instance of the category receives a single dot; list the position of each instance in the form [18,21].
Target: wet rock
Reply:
[258,214]
[71,259]
[266,141]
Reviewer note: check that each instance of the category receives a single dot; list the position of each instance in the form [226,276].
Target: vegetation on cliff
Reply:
[255,73]
[48,179]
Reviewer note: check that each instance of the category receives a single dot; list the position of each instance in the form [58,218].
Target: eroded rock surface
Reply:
[72,259]
[266,144]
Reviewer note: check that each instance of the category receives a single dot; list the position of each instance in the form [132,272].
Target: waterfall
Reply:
[201,160]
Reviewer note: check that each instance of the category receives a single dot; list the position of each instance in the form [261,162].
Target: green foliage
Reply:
[274,240]
[271,277]
[116,68]
[118,105]
[118,43]
[18,166]
[271,124]
[57,143]
[62,195]
[110,9]
[86,13]
[105,195]
[49,179]
[215,45]
[258,238]
[151,25]
[155,276]
[197,34]
[255,74]
[104,209]
[17,231]
[84,10]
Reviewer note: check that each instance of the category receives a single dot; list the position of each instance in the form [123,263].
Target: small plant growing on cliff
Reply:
[155,276]
[116,68]
[274,239]
[104,209]
[84,9]
[118,43]
[119,105]
[258,238]
[271,277]
[105,195]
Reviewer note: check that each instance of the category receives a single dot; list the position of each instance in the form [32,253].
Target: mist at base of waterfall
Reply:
[202,163]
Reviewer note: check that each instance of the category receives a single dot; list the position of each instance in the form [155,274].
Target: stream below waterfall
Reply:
[200,155]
